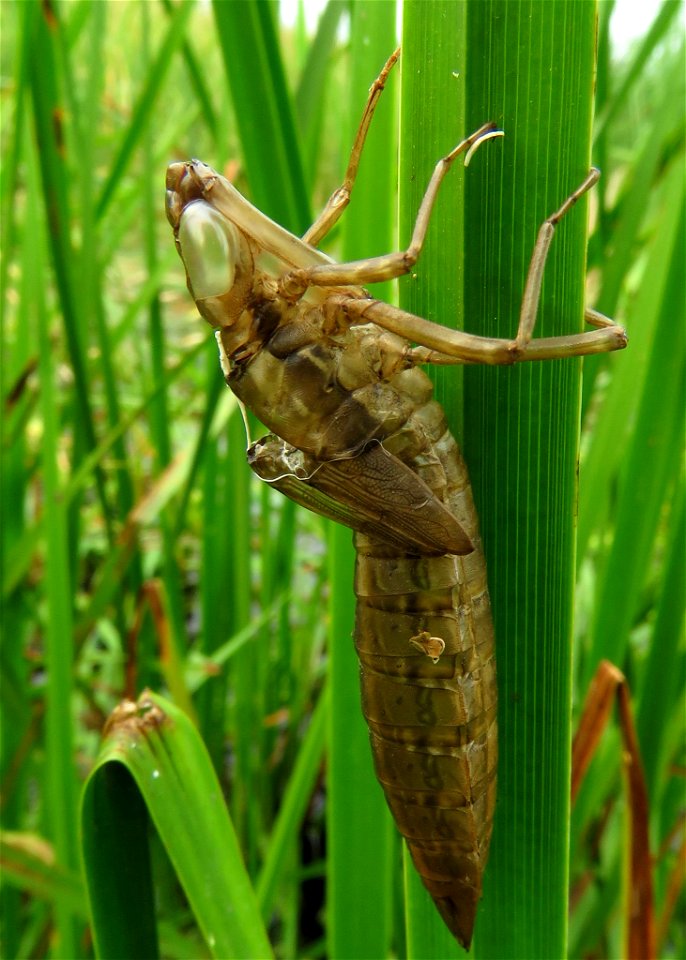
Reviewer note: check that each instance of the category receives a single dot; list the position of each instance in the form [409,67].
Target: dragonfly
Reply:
[356,436]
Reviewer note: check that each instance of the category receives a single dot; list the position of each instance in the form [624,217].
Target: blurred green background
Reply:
[138,550]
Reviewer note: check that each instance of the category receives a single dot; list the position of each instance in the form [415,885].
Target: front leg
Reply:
[340,198]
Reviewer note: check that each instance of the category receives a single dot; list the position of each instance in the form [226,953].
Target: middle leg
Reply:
[294,283]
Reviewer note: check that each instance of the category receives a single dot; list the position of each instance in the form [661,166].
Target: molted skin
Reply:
[432,725]
[353,412]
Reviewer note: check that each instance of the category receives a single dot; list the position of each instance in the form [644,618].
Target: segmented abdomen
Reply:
[363,442]
[432,725]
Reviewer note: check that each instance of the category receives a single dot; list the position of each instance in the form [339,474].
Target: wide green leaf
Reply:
[361,862]
[530,69]
[154,765]
[432,122]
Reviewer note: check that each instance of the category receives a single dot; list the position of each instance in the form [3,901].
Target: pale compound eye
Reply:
[210,248]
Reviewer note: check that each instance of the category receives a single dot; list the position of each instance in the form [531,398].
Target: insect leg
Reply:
[390,265]
[610,336]
[340,198]
[534,279]
[440,345]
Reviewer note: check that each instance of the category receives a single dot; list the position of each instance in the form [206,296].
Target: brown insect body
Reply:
[350,401]
[432,719]
[358,438]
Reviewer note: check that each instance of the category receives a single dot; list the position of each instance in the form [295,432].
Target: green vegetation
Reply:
[139,552]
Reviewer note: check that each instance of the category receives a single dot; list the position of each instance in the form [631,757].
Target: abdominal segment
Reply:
[432,718]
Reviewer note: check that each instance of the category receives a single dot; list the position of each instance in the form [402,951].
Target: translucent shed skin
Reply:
[358,437]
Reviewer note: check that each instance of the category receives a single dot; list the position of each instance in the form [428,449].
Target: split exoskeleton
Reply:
[357,437]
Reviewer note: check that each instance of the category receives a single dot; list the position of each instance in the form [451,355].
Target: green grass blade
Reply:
[659,696]
[218,602]
[432,122]
[359,865]
[48,109]
[635,68]
[264,113]
[117,865]
[309,97]
[651,459]
[28,864]
[359,856]
[20,557]
[530,68]
[159,409]
[12,141]
[162,752]
[198,81]
[145,105]
[59,738]
[226,597]
[634,225]
[292,808]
